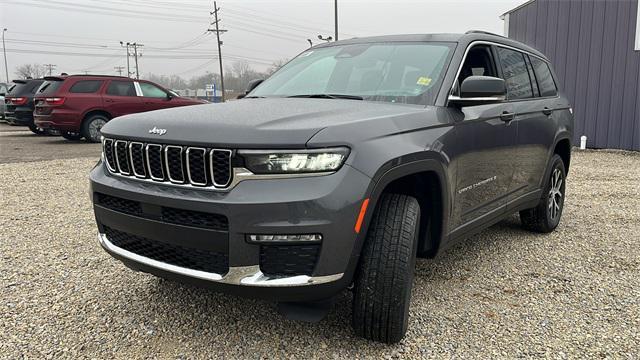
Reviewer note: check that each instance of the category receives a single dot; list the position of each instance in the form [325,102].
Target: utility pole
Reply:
[119,69]
[135,56]
[218,31]
[50,68]
[4,49]
[127,47]
[335,6]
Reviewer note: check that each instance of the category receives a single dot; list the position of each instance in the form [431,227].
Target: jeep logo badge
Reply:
[157,131]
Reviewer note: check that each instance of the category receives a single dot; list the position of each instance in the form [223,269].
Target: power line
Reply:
[119,69]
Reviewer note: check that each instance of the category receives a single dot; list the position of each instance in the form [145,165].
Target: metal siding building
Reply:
[594,46]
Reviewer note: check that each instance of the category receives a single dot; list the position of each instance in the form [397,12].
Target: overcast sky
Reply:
[84,35]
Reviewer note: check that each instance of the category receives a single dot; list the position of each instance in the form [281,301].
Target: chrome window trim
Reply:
[237,275]
[204,161]
[211,169]
[166,161]
[146,150]
[133,168]
[104,142]
[118,160]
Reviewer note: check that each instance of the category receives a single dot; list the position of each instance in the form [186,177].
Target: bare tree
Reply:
[30,71]
[276,65]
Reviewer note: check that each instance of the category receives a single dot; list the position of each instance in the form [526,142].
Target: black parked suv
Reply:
[339,170]
[19,104]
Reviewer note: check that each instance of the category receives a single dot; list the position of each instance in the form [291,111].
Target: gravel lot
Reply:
[503,293]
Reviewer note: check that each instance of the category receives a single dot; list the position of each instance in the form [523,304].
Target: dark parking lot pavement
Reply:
[18,144]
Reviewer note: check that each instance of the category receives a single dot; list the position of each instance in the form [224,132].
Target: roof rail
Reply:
[482,32]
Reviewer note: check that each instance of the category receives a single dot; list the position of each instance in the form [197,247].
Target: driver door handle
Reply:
[507,116]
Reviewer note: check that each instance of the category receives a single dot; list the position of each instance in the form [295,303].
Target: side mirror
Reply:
[2,94]
[478,90]
[169,96]
[253,84]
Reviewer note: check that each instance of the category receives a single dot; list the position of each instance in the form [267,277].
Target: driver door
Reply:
[485,150]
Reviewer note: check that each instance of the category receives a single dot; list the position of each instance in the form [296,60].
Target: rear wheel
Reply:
[545,217]
[92,126]
[71,135]
[36,130]
[382,289]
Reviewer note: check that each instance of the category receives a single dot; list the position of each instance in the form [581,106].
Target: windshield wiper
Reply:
[328,96]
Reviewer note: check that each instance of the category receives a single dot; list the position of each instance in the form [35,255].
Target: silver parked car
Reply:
[3,90]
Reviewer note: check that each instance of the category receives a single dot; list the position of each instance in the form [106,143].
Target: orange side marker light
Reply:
[363,211]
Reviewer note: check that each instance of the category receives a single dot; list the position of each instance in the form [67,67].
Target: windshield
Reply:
[402,72]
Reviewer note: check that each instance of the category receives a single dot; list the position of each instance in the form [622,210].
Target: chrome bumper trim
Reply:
[237,275]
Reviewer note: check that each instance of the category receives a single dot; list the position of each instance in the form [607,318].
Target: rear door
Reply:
[533,116]
[121,98]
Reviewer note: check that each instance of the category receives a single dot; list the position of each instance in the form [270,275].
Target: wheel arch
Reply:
[425,179]
[92,112]
[563,149]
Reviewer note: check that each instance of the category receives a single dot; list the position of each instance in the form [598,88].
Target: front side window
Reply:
[149,90]
[402,72]
[86,86]
[544,77]
[516,75]
[121,88]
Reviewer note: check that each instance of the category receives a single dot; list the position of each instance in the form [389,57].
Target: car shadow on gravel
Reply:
[169,302]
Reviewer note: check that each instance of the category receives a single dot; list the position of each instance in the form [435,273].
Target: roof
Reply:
[62,77]
[466,38]
[517,8]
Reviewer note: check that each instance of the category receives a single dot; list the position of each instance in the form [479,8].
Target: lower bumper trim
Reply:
[237,275]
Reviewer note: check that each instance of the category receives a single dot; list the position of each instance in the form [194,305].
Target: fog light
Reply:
[306,238]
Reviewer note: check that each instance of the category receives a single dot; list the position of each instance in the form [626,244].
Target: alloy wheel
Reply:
[554,203]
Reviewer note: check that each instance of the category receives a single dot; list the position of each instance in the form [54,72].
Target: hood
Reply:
[252,123]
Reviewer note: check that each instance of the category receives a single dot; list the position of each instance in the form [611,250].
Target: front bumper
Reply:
[328,205]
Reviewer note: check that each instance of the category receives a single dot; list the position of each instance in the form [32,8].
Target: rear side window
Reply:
[49,87]
[149,90]
[516,75]
[86,86]
[543,75]
[121,88]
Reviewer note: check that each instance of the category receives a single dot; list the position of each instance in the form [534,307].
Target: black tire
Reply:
[91,127]
[70,135]
[383,282]
[36,130]
[545,217]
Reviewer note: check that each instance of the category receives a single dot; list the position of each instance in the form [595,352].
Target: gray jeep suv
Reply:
[339,170]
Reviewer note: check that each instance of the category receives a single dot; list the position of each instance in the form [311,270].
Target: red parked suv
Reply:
[79,105]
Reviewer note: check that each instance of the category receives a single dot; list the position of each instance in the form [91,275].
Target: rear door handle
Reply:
[507,116]
[547,111]
[109,100]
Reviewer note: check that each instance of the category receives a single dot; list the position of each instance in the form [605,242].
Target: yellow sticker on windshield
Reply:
[424,81]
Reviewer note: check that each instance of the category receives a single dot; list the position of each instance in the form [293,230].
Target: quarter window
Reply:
[149,90]
[543,75]
[86,86]
[516,75]
[121,88]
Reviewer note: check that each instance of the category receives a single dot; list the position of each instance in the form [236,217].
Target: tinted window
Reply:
[49,87]
[121,88]
[25,88]
[149,90]
[86,86]
[543,75]
[515,74]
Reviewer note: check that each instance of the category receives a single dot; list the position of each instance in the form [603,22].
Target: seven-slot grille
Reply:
[184,165]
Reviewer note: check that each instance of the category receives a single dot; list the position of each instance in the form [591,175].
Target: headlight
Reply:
[294,161]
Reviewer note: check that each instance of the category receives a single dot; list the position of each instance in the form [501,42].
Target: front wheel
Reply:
[545,217]
[383,282]
[92,126]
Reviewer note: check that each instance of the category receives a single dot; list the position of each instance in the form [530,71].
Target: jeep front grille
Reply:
[182,165]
